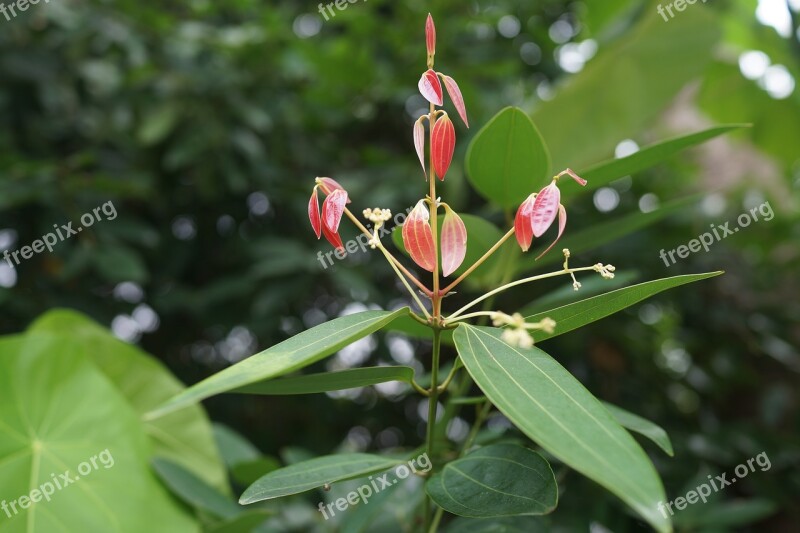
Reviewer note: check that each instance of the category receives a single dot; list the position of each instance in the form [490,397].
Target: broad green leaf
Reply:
[62,418]
[330,381]
[599,234]
[496,480]
[578,314]
[193,490]
[606,172]
[292,354]
[641,426]
[315,473]
[184,437]
[567,294]
[625,87]
[557,412]
[507,159]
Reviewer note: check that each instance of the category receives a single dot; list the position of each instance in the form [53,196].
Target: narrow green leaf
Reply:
[330,381]
[193,490]
[314,473]
[292,354]
[578,314]
[507,159]
[599,234]
[244,523]
[642,426]
[233,447]
[607,171]
[496,480]
[555,410]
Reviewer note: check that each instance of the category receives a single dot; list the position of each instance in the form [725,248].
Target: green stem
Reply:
[433,401]
[489,294]
[405,282]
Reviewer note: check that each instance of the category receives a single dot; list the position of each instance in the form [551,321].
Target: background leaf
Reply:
[641,426]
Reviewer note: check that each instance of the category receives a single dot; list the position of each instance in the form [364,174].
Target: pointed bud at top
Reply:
[313,213]
[419,143]
[329,185]
[430,87]
[545,208]
[443,142]
[418,237]
[523,223]
[455,95]
[332,211]
[430,35]
[454,241]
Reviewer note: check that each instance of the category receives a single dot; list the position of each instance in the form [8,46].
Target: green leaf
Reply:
[292,354]
[607,171]
[315,473]
[244,523]
[497,480]
[330,381]
[641,426]
[729,514]
[233,447]
[578,314]
[60,416]
[193,490]
[507,159]
[556,411]
[185,437]
[597,235]
[625,87]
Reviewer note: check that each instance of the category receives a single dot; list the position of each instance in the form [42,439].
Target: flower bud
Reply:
[523,223]
[454,241]
[418,237]
[430,35]
[443,142]
[332,211]
[313,213]
[430,87]
[455,95]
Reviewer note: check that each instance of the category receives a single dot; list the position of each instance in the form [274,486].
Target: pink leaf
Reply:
[313,213]
[418,237]
[545,208]
[443,142]
[430,35]
[430,87]
[455,95]
[454,242]
[329,185]
[419,144]
[523,223]
[332,211]
[562,223]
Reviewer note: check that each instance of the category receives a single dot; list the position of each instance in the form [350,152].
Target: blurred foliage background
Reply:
[205,124]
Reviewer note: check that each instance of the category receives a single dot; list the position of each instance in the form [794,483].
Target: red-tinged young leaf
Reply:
[455,95]
[419,144]
[523,223]
[430,35]
[332,211]
[454,241]
[545,208]
[443,142]
[562,223]
[418,237]
[313,213]
[329,185]
[430,87]
[333,238]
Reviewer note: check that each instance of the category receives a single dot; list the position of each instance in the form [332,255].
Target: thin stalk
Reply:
[389,255]
[437,303]
[477,263]
[403,279]
[456,365]
[433,401]
[514,284]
